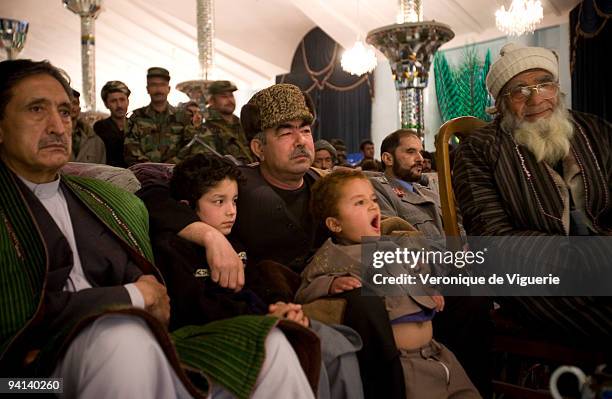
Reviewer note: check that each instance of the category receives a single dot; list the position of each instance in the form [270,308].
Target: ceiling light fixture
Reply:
[522,17]
[359,59]
[197,90]
[88,11]
[410,46]
[12,36]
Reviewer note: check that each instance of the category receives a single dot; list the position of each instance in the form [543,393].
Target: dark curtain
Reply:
[343,101]
[591,45]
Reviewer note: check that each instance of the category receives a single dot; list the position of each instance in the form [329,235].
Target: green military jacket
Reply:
[156,136]
[228,138]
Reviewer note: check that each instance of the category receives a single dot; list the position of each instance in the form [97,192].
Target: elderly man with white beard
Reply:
[538,169]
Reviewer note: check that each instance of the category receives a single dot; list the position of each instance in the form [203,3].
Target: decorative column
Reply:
[88,10]
[410,45]
[13,36]
[197,90]
[206,36]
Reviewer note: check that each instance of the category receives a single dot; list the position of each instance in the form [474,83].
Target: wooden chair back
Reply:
[460,127]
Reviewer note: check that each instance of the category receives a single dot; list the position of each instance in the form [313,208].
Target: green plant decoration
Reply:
[462,91]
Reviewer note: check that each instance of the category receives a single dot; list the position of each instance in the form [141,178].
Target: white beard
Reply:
[548,139]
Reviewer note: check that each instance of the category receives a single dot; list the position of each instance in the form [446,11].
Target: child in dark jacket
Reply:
[209,185]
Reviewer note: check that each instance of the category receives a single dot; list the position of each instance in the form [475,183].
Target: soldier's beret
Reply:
[221,86]
[114,86]
[158,72]
[274,105]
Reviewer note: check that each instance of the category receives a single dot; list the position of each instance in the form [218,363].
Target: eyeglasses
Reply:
[522,93]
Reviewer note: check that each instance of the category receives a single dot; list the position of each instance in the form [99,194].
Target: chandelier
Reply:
[197,90]
[12,36]
[522,17]
[359,59]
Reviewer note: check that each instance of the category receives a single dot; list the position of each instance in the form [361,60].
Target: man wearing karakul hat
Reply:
[273,224]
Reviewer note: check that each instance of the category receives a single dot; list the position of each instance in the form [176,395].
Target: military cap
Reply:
[158,72]
[114,86]
[221,86]
[274,105]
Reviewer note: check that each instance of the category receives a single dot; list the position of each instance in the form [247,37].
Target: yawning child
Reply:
[345,202]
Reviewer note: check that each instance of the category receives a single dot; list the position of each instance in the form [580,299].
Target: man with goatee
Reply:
[538,169]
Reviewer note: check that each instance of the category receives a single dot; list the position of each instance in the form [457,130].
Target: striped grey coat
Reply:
[503,191]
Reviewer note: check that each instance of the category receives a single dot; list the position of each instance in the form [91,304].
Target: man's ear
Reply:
[257,148]
[333,224]
[387,159]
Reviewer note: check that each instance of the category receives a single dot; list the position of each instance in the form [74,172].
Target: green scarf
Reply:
[23,256]
[227,352]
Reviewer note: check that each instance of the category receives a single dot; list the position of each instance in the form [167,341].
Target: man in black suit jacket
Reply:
[116,97]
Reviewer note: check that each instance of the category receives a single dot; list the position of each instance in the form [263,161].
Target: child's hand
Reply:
[345,283]
[289,311]
[439,300]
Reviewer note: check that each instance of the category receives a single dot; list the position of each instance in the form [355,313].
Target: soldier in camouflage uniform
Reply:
[157,132]
[227,134]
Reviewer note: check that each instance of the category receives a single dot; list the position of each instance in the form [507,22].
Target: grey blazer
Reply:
[421,209]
